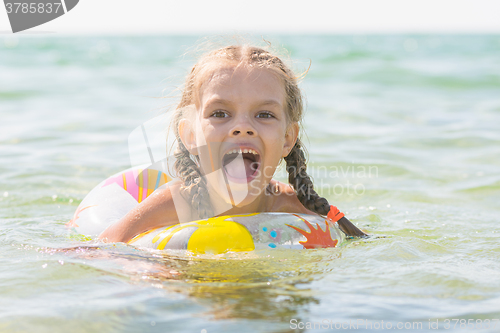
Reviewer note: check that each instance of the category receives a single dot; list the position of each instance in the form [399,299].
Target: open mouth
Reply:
[241,164]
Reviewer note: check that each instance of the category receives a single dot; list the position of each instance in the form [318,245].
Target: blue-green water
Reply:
[403,134]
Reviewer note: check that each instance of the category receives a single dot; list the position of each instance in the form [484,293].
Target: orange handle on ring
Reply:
[334,214]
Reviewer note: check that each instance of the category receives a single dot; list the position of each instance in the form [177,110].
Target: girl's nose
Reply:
[243,127]
[237,132]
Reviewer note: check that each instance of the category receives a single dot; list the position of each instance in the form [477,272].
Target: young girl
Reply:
[239,116]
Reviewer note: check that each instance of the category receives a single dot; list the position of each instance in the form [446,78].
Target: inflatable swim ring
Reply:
[116,196]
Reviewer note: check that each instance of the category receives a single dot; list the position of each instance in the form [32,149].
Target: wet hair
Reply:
[195,189]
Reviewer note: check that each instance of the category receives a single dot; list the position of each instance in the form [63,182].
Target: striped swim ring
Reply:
[116,196]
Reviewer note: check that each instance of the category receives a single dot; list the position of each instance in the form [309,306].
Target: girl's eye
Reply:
[265,114]
[219,114]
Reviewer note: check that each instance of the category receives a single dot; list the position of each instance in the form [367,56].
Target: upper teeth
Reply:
[237,151]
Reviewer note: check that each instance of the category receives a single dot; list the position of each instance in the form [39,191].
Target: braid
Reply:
[194,189]
[302,183]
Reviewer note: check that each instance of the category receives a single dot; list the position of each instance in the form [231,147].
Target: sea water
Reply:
[403,135]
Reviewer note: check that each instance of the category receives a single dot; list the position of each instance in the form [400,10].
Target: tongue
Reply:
[239,168]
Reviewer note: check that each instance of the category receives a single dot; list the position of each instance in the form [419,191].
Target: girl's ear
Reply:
[187,136]
[290,138]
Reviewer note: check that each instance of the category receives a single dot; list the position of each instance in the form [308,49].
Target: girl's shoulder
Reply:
[158,210]
[169,197]
[285,199]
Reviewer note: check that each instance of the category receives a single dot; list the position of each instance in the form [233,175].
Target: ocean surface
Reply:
[403,135]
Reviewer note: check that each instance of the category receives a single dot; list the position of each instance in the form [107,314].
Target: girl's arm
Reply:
[157,210]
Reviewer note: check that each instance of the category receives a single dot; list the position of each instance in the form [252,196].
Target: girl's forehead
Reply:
[241,79]
[220,75]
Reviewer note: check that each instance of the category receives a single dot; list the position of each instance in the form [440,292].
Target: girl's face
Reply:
[240,133]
